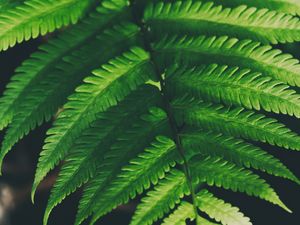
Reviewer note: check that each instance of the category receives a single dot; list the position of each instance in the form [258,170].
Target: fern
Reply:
[156,97]
[219,210]
[182,213]
[100,91]
[234,150]
[287,6]
[30,76]
[222,50]
[141,133]
[237,87]
[198,17]
[236,122]
[36,17]
[44,104]
[162,199]
[81,162]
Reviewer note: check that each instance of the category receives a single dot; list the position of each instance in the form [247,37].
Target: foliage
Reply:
[166,96]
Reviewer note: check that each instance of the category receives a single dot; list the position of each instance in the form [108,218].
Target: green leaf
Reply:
[228,51]
[184,211]
[105,88]
[146,169]
[218,172]
[44,98]
[88,150]
[38,17]
[236,122]
[219,210]
[128,146]
[40,70]
[232,86]
[286,6]
[162,199]
[234,150]
[242,22]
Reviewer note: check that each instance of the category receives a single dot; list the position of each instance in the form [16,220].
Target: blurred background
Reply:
[19,166]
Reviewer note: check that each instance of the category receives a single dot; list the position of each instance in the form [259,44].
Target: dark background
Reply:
[19,167]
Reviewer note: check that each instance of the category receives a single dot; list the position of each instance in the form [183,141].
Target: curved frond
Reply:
[40,70]
[219,210]
[88,150]
[44,98]
[167,96]
[228,51]
[162,199]
[36,17]
[220,173]
[206,18]
[236,122]
[286,6]
[235,150]
[146,169]
[106,87]
[127,147]
[184,211]
[232,86]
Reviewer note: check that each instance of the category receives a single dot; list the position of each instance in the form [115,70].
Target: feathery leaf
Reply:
[106,87]
[236,121]
[287,6]
[40,70]
[127,147]
[219,210]
[228,51]
[147,168]
[45,97]
[206,18]
[234,150]
[184,211]
[37,17]
[88,150]
[220,173]
[232,86]
[162,199]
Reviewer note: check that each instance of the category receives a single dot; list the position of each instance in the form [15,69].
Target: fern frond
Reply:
[36,17]
[186,91]
[147,168]
[127,147]
[106,87]
[220,173]
[44,97]
[223,84]
[40,69]
[286,6]
[162,199]
[184,211]
[234,150]
[206,18]
[236,122]
[219,210]
[88,150]
[228,51]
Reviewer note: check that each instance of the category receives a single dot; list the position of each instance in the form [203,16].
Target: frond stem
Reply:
[171,118]
[172,122]
[177,140]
